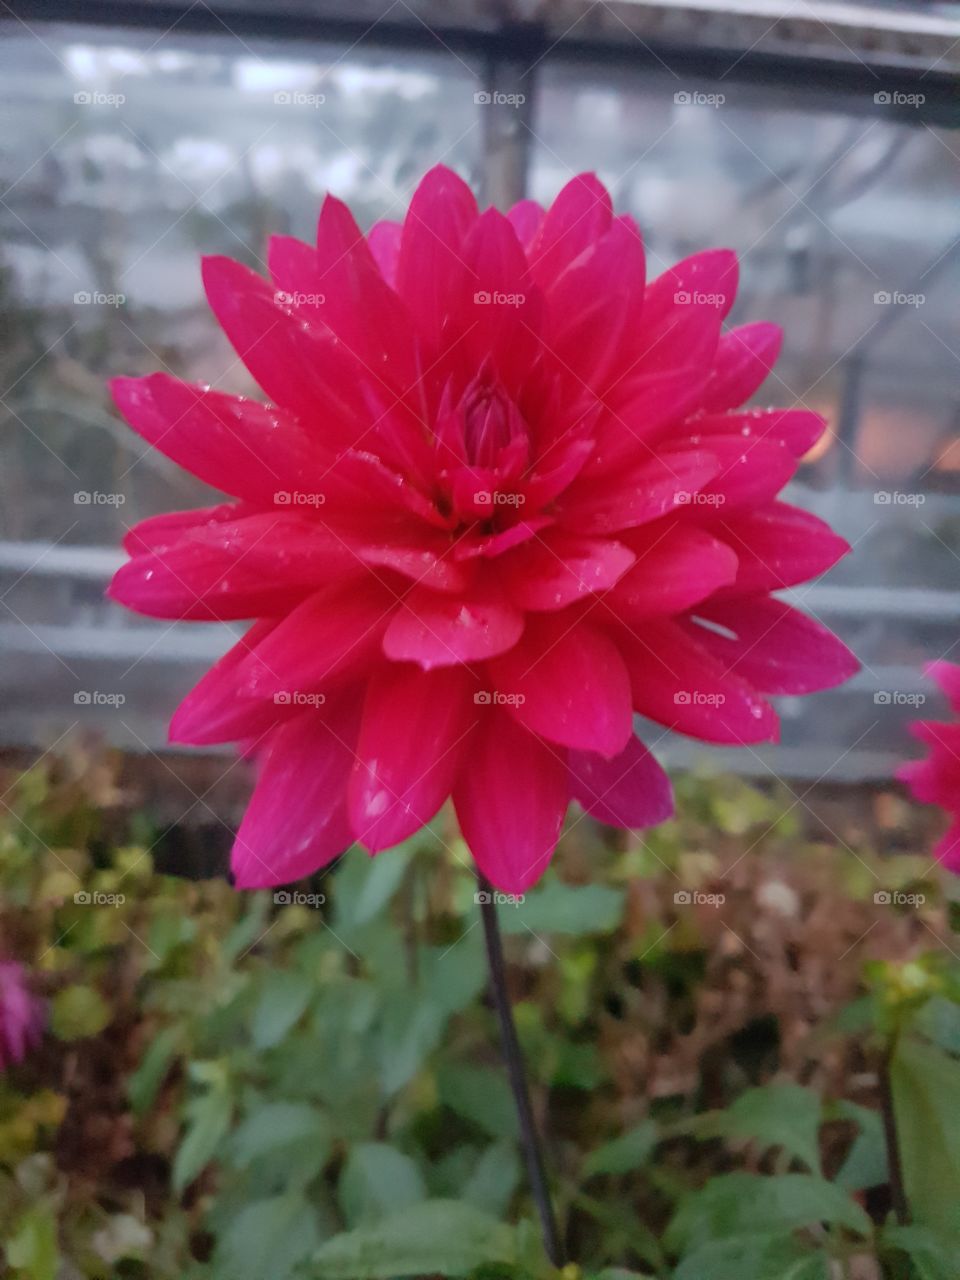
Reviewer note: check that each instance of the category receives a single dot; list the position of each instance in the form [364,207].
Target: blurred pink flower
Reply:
[22,1015]
[936,780]
[502,498]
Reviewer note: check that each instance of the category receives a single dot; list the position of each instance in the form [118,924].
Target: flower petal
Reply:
[510,801]
[566,682]
[775,647]
[745,356]
[431,267]
[797,429]
[227,571]
[439,631]
[579,216]
[239,446]
[675,568]
[678,683]
[597,504]
[384,239]
[296,821]
[629,790]
[560,568]
[777,546]
[413,736]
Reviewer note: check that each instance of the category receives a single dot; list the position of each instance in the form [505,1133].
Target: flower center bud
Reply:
[491,421]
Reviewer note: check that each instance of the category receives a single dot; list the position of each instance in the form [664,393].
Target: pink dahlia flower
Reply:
[936,780]
[502,497]
[22,1015]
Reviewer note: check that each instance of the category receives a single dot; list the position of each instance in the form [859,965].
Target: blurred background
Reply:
[818,140]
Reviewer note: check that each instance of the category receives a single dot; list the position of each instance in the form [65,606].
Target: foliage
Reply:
[310,1087]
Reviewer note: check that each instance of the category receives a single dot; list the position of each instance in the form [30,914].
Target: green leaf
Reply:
[437,1237]
[412,1028]
[630,1151]
[754,1257]
[932,1257]
[926,1097]
[77,1012]
[494,1179]
[281,1128]
[377,1179]
[939,1020]
[381,881]
[866,1162]
[743,1203]
[209,1118]
[283,998]
[267,1238]
[33,1246]
[778,1115]
[481,1095]
[144,1084]
[556,907]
